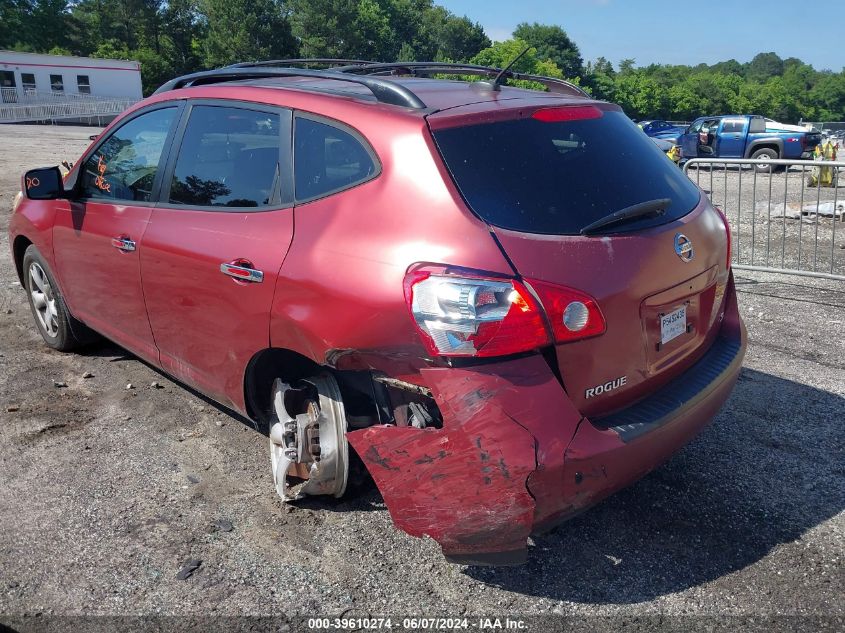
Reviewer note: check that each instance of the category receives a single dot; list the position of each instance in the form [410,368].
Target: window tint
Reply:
[327,159]
[557,177]
[229,157]
[733,126]
[125,165]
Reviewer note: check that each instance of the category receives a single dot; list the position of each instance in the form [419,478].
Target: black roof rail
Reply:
[384,91]
[415,68]
[323,61]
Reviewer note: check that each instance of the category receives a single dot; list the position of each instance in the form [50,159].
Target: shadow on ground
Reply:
[764,473]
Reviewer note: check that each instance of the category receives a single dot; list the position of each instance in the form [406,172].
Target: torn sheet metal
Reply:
[467,485]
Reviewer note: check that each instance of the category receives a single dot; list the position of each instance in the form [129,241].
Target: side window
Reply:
[709,126]
[57,83]
[757,125]
[733,126]
[695,127]
[28,81]
[83,84]
[327,159]
[125,165]
[229,157]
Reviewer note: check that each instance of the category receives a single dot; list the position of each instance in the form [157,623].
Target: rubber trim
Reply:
[658,409]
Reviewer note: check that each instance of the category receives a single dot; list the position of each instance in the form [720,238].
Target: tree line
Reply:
[174,37]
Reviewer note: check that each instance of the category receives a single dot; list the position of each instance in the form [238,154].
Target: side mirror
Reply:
[44,184]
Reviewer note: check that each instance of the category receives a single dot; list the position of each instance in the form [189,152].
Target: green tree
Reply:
[183,32]
[246,30]
[764,66]
[638,94]
[501,54]
[552,43]
[445,36]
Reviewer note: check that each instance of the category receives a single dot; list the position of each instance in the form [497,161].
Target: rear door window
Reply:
[557,177]
[732,126]
[228,157]
[328,159]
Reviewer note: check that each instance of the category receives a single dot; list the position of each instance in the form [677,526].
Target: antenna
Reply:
[496,84]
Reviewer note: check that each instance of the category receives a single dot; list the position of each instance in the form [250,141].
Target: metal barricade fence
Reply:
[783,220]
[34,105]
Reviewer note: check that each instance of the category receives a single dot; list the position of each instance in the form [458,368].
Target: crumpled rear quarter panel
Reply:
[466,485]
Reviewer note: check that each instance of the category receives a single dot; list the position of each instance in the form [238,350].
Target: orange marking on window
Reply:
[100,182]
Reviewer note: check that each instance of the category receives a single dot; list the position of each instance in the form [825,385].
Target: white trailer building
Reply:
[27,75]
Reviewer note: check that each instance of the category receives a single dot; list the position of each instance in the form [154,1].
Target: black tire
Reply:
[64,333]
[763,154]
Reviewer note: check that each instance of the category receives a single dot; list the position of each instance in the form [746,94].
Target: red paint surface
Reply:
[102,284]
[465,484]
[633,278]
[515,417]
[206,324]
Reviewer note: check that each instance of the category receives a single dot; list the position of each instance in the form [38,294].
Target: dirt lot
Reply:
[107,491]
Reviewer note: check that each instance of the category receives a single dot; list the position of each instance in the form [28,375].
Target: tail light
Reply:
[572,314]
[727,233]
[468,313]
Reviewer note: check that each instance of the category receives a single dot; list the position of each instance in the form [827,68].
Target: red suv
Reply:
[508,302]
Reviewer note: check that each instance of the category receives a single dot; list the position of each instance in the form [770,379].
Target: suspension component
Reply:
[308,448]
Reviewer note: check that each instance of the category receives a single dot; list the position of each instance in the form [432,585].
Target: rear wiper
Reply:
[641,210]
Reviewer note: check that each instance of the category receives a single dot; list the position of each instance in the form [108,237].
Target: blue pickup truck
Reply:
[745,136]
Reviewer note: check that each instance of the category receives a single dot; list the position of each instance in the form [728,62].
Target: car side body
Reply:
[662,130]
[304,261]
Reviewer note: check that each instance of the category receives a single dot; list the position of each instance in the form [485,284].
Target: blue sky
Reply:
[662,31]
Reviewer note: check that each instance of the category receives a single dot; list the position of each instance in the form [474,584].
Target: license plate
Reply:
[672,325]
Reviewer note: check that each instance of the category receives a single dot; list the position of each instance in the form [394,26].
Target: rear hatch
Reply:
[538,175]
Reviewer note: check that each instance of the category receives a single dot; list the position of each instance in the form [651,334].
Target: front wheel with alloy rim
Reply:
[765,153]
[56,325]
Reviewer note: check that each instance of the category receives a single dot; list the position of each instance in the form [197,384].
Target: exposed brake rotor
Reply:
[308,448]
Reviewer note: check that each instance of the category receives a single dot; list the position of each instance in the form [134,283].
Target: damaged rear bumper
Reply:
[515,456]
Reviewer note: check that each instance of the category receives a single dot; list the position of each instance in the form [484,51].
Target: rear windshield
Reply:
[557,177]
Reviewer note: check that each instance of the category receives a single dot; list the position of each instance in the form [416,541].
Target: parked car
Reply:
[662,129]
[672,151]
[507,302]
[745,136]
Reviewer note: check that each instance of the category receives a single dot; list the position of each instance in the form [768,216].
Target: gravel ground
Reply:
[108,491]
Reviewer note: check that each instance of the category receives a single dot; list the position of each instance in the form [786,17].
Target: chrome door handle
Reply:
[123,244]
[242,270]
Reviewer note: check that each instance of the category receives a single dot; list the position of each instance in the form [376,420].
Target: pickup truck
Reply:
[745,136]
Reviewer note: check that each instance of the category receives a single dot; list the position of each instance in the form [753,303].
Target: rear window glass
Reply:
[557,177]
[327,160]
